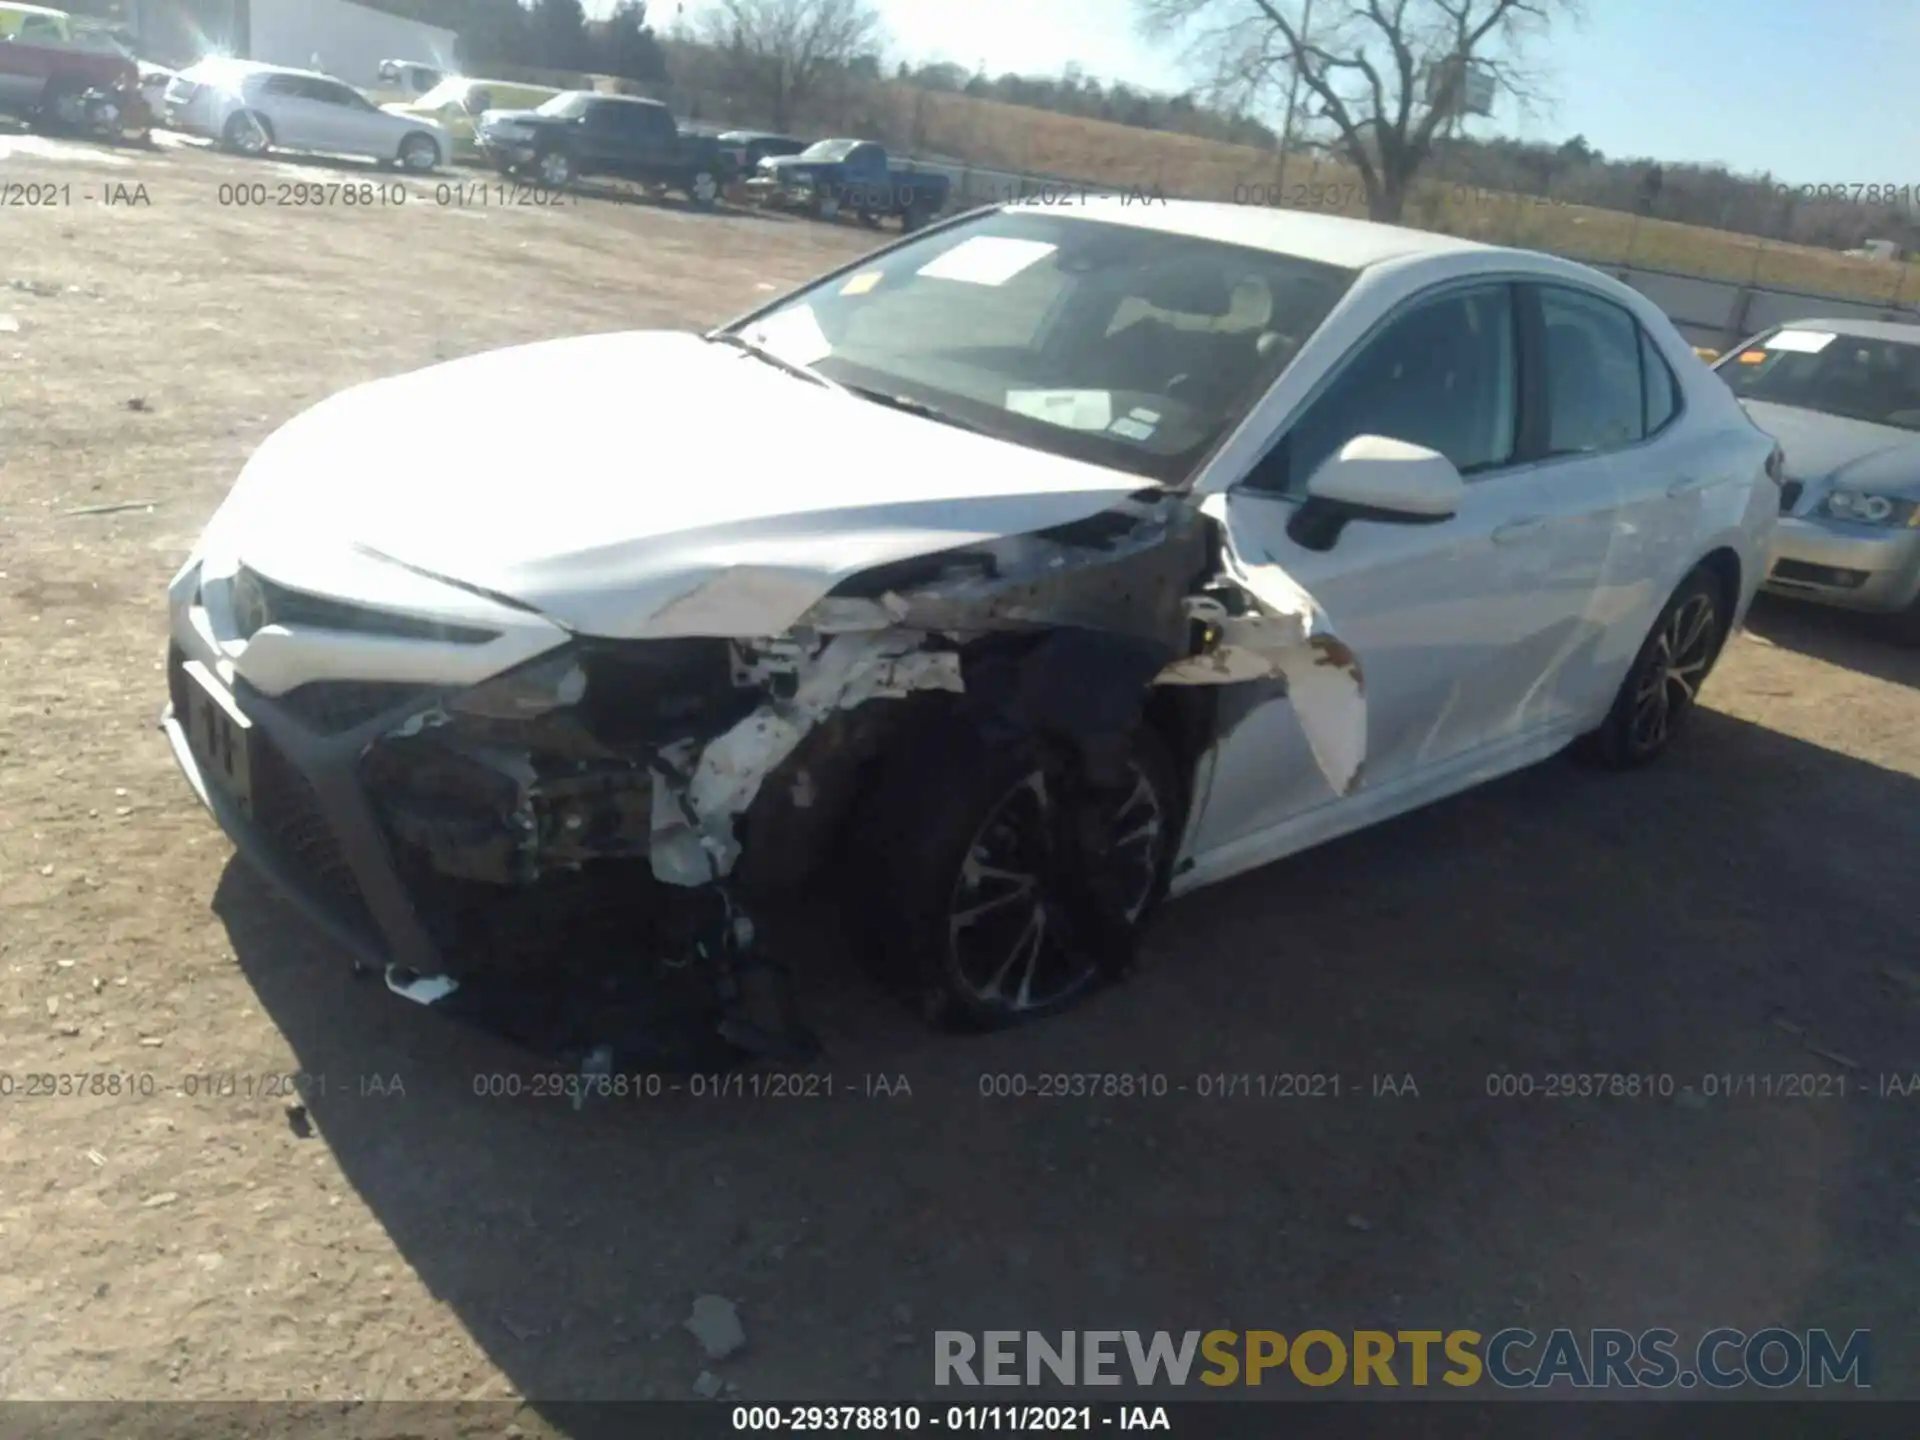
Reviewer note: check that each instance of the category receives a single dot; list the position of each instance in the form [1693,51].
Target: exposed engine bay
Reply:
[689,792]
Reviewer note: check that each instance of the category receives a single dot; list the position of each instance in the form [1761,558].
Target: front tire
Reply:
[419,155]
[703,189]
[1659,693]
[997,884]
[554,168]
[247,133]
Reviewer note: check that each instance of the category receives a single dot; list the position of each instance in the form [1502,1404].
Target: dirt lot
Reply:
[1739,910]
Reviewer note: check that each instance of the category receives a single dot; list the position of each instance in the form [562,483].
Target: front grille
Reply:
[260,602]
[332,706]
[1834,578]
[287,813]
[1790,495]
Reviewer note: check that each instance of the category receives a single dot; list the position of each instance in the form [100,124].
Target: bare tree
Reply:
[784,51]
[1384,78]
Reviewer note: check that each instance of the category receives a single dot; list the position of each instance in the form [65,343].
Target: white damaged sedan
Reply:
[1064,560]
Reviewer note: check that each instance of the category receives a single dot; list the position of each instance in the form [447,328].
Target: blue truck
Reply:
[832,178]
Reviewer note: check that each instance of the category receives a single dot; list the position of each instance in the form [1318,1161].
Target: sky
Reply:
[1813,92]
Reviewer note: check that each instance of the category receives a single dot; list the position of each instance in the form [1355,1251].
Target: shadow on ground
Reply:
[1659,924]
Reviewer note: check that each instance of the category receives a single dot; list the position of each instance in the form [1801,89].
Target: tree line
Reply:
[1376,88]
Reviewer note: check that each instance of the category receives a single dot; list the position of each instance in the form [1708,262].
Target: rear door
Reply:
[351,122]
[298,121]
[1615,497]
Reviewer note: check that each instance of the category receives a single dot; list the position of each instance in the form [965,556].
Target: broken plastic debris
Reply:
[421,989]
[716,1325]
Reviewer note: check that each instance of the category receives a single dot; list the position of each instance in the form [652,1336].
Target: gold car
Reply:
[456,103]
[33,22]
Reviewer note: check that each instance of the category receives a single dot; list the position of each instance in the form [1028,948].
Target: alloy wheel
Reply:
[1009,938]
[1671,679]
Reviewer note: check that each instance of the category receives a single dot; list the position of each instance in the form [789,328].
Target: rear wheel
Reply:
[63,106]
[1658,695]
[247,133]
[999,884]
[703,188]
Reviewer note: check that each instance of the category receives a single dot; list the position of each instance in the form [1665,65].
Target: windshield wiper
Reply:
[908,405]
[778,361]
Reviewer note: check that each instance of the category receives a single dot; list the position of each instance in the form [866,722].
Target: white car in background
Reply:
[252,108]
[1086,556]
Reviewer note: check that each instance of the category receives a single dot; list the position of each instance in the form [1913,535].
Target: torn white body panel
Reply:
[693,839]
[1285,636]
[421,989]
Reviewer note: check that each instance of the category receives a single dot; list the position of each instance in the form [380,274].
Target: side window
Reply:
[600,116]
[1594,400]
[1661,389]
[282,87]
[1442,375]
[329,93]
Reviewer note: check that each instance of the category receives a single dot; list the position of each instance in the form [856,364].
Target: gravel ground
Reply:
[1746,908]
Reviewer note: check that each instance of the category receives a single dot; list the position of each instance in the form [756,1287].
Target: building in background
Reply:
[341,38]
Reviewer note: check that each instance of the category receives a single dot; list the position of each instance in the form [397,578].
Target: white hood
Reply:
[631,485]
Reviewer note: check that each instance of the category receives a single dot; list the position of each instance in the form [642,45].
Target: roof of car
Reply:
[1327,239]
[622,99]
[256,67]
[1904,332]
[20,8]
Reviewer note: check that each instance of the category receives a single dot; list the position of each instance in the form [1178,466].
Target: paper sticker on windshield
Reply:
[1752,357]
[793,335]
[1075,409]
[987,260]
[861,283]
[1131,429]
[1802,342]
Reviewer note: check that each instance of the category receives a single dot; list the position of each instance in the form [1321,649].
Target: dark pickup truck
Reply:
[579,134]
[836,177]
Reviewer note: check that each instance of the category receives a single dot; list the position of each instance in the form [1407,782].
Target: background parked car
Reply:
[458,103]
[579,134]
[55,77]
[252,108]
[405,80]
[745,149]
[1843,399]
[832,176]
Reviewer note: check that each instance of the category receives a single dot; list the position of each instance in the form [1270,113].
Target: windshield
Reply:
[828,150]
[1861,379]
[568,105]
[1125,347]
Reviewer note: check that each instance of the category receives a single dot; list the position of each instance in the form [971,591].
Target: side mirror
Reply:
[1375,478]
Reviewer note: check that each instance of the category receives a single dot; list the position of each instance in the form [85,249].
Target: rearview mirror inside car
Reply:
[1376,478]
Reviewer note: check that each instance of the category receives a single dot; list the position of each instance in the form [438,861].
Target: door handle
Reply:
[1688,486]
[1517,530]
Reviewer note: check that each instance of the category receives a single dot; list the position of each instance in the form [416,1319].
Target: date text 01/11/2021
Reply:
[1208,1085]
[726,1085]
[963,1419]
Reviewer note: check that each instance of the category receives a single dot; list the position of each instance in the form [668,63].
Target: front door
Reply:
[1449,621]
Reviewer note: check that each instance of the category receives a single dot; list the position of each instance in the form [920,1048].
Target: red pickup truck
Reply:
[57,76]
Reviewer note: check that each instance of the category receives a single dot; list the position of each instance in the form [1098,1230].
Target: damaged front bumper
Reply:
[580,849]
